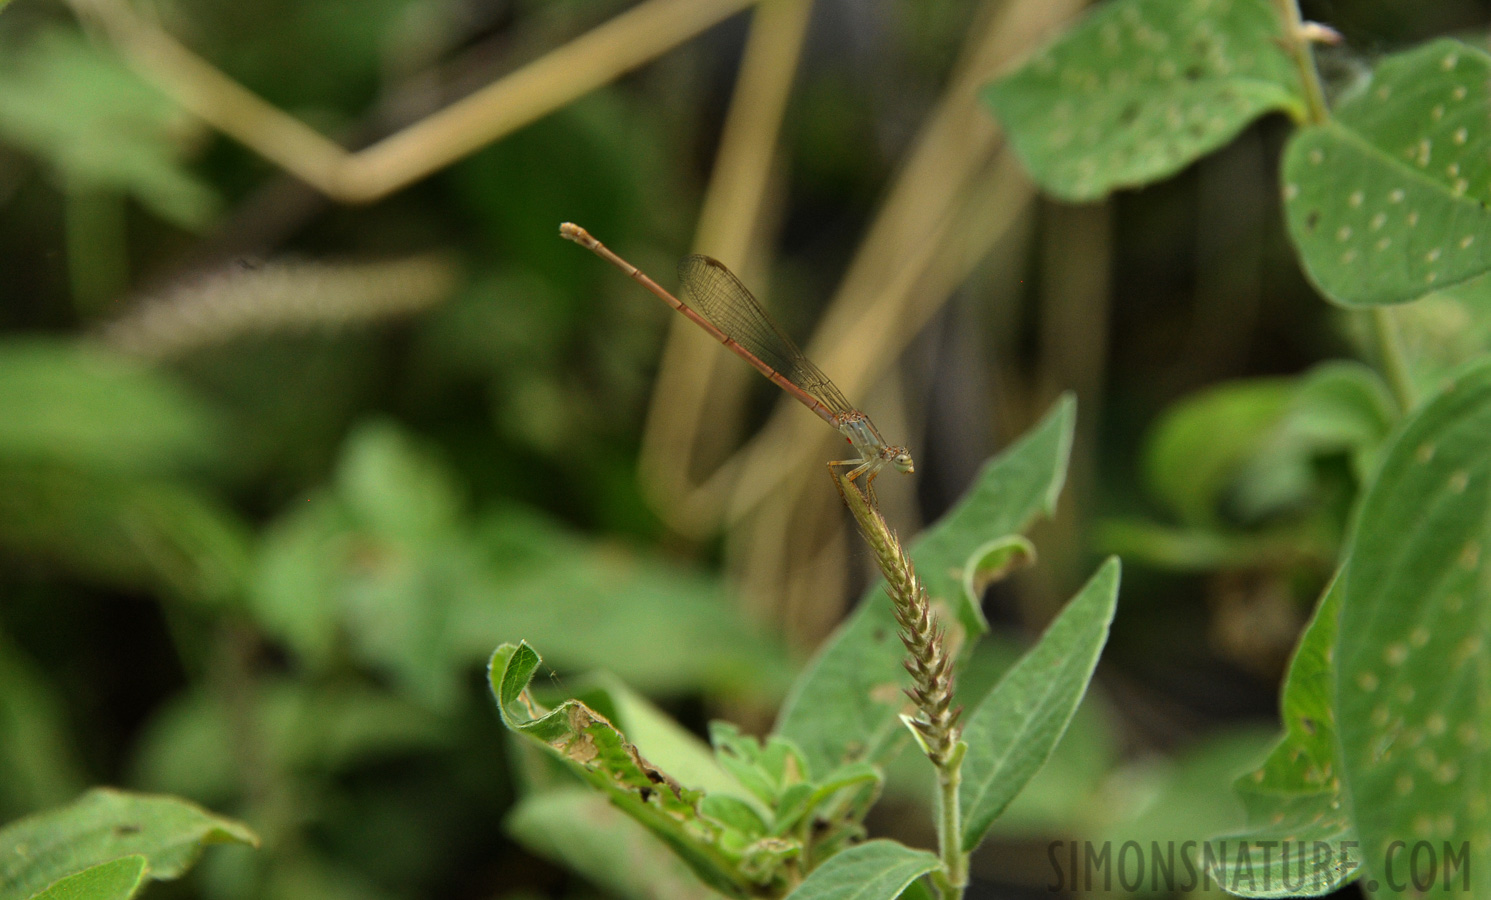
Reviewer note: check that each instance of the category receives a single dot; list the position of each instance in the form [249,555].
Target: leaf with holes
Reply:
[1413,677]
[594,749]
[1143,88]
[1388,200]
[1294,799]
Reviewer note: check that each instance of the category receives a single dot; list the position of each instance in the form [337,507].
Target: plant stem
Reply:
[1390,357]
[954,875]
[1385,337]
[1316,112]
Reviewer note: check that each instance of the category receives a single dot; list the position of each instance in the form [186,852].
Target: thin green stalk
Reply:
[1390,357]
[1298,44]
[954,876]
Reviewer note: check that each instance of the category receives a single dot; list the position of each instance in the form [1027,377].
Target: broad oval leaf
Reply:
[1388,200]
[105,824]
[1017,724]
[117,879]
[1141,89]
[874,870]
[1294,798]
[1413,677]
[845,706]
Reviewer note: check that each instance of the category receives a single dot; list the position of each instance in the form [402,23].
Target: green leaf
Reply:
[1246,450]
[106,824]
[1413,680]
[580,829]
[592,604]
[1196,449]
[601,755]
[1142,88]
[1388,200]
[1018,723]
[387,562]
[656,735]
[845,706]
[395,488]
[1295,796]
[874,870]
[118,879]
[70,103]
[994,561]
[69,404]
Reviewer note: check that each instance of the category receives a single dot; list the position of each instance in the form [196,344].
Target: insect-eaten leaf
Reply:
[727,859]
[1142,88]
[1391,198]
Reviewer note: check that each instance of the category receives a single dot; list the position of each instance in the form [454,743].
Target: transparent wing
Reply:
[718,296]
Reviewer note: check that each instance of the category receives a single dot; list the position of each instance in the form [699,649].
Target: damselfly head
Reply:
[901,459]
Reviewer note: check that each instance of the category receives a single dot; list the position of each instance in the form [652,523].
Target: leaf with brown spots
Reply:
[1141,89]
[1391,199]
[1413,675]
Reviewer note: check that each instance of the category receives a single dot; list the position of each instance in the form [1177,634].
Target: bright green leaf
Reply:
[1196,449]
[70,103]
[1246,450]
[1142,88]
[1412,680]
[1018,723]
[845,706]
[1295,796]
[874,870]
[1391,198]
[106,824]
[117,879]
